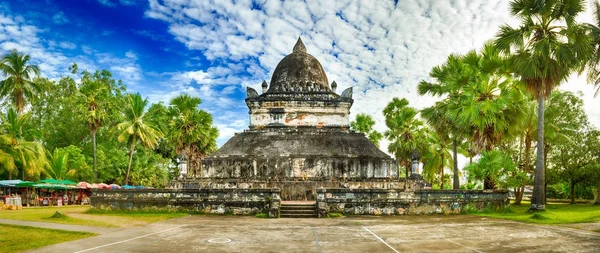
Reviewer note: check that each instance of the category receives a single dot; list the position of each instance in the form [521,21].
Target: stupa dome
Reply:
[299,72]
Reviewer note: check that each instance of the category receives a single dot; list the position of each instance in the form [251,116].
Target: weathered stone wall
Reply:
[299,113]
[215,201]
[297,189]
[406,202]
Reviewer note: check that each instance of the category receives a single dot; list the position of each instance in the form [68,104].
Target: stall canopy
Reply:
[10,183]
[56,181]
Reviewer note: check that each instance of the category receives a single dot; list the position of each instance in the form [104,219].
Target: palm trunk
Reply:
[94,144]
[537,199]
[442,168]
[456,182]
[598,195]
[130,159]
[572,193]
[19,100]
[519,194]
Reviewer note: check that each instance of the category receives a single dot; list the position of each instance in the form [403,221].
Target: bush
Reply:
[335,215]
[262,215]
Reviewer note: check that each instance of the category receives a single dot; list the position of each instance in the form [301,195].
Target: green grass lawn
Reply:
[144,216]
[83,215]
[44,214]
[556,213]
[19,238]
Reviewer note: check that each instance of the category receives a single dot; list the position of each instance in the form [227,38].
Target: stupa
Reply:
[299,138]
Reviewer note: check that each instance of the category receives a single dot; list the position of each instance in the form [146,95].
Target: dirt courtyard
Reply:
[459,233]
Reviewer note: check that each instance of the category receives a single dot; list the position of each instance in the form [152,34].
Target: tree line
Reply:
[87,127]
[500,106]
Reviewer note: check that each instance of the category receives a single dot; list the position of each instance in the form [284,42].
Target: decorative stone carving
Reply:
[347,93]
[251,93]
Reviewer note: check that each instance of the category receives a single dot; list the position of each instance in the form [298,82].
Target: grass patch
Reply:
[556,213]
[20,238]
[597,230]
[140,215]
[262,215]
[44,214]
[335,215]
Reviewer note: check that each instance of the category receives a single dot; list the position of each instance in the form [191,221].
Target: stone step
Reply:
[282,215]
[298,207]
[296,211]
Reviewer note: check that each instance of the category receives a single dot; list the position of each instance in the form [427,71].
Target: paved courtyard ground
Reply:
[351,234]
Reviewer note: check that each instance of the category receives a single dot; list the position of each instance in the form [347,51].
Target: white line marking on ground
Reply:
[443,237]
[317,240]
[376,236]
[135,238]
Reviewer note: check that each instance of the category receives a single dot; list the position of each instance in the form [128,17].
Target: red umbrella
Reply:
[103,186]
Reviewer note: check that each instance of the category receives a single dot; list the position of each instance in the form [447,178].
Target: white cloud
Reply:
[380,48]
[108,3]
[60,18]
[67,45]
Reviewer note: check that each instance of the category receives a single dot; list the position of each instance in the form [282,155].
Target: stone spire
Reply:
[264,86]
[299,47]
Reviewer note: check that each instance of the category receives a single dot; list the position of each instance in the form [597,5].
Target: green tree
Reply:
[495,167]
[19,150]
[191,131]
[135,128]
[19,83]
[405,131]
[58,167]
[577,161]
[436,157]
[593,65]
[544,50]
[364,124]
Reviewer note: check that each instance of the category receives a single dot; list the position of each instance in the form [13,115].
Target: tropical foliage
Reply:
[86,127]
[364,124]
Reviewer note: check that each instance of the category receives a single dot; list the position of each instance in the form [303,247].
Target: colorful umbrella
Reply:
[115,186]
[103,186]
[84,185]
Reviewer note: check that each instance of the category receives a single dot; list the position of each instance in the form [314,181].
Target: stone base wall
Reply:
[214,201]
[401,202]
[297,189]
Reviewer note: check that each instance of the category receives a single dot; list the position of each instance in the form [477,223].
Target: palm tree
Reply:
[58,167]
[191,131]
[544,50]
[19,83]
[93,91]
[436,156]
[18,148]
[593,65]
[405,131]
[494,168]
[450,77]
[134,128]
[364,124]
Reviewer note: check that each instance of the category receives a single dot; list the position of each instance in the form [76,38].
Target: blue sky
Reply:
[214,49]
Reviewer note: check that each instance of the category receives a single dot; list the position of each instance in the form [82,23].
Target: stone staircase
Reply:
[298,209]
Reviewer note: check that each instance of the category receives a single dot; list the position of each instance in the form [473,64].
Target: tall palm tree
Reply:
[19,150]
[134,127]
[544,50]
[19,83]
[593,65]
[191,130]
[93,90]
[450,77]
[405,131]
[364,124]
